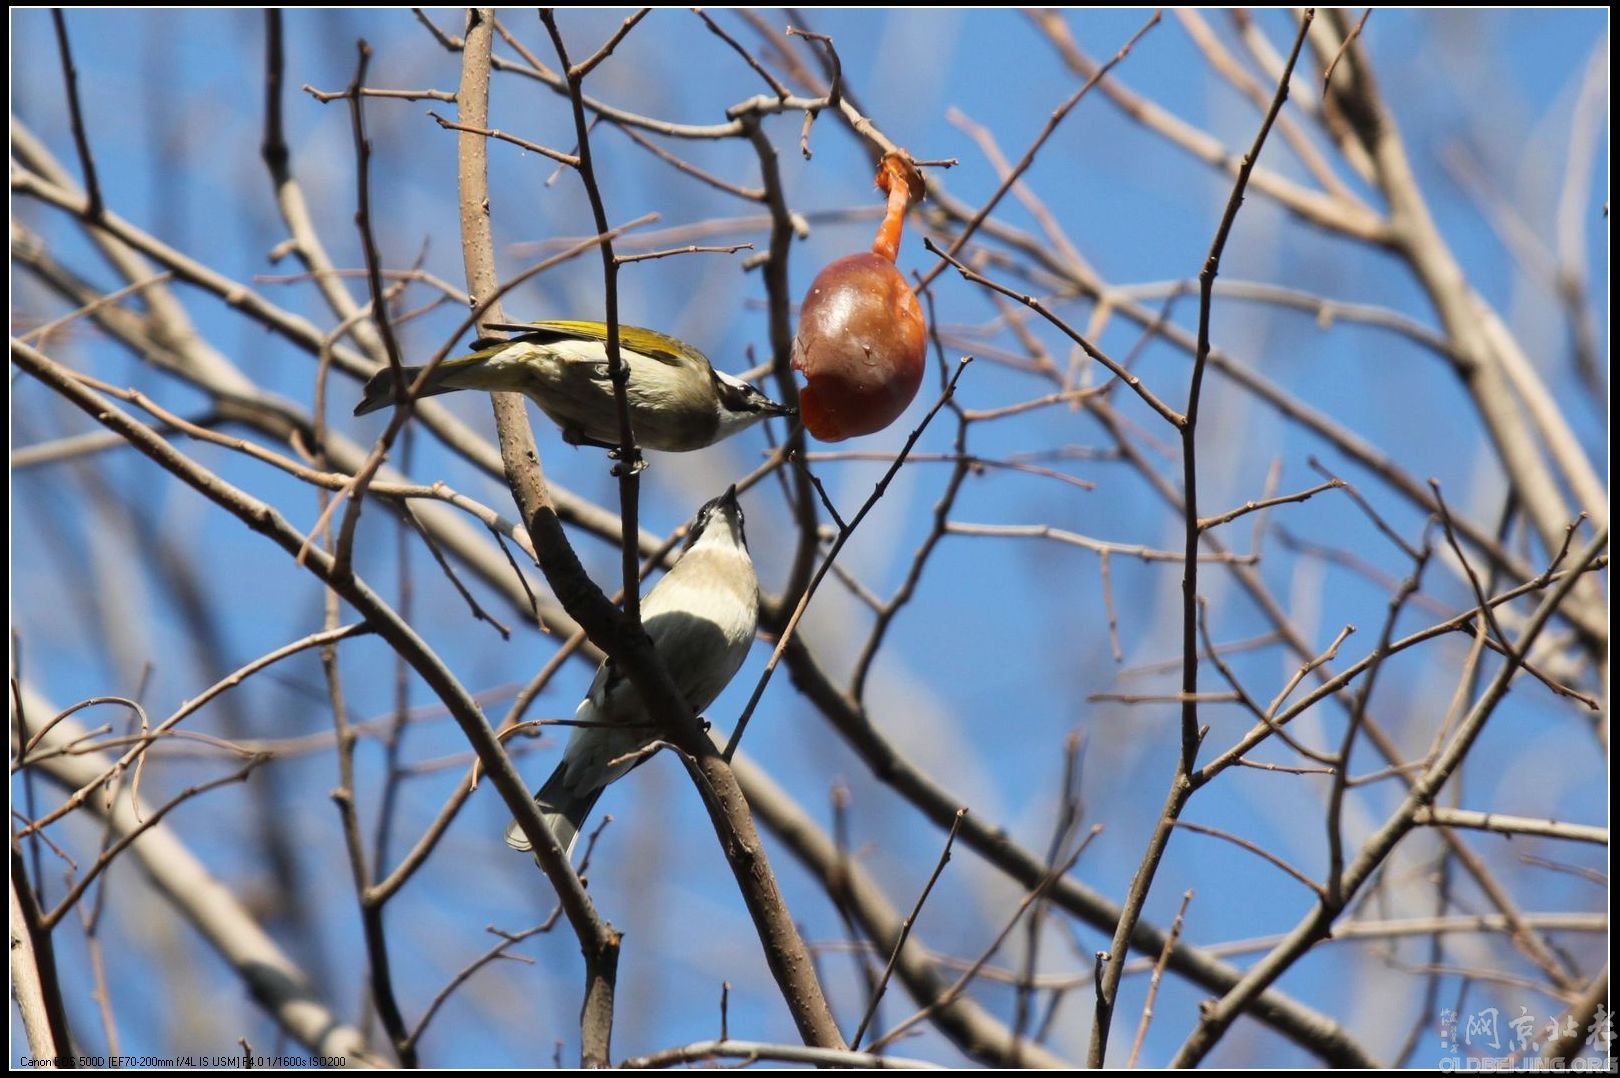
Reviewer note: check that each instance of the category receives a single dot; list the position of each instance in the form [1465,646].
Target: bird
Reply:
[678,401]
[701,617]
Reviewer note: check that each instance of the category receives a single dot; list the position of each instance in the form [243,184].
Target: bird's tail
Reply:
[563,810]
[450,375]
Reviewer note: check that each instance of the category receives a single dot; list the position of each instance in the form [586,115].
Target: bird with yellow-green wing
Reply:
[678,401]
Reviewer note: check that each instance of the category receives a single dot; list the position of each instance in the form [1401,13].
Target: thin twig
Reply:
[1511,825]
[1181,787]
[1254,848]
[1170,415]
[1265,503]
[578,72]
[324,96]
[1051,125]
[838,544]
[1357,718]
[1153,982]
[49,920]
[905,933]
[1327,75]
[771,80]
[962,982]
[1216,1018]
[508,940]
[754,1051]
[41,333]
[81,139]
[571,160]
[629,456]
[689,249]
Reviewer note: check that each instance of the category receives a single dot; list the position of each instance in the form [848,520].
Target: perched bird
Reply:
[701,617]
[678,401]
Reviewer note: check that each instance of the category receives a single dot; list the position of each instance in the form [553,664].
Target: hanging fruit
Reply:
[862,342]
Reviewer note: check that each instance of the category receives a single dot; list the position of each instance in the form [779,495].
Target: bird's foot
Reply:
[620,469]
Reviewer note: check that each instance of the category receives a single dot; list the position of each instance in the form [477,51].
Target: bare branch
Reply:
[1181,787]
[905,933]
[1052,122]
[1432,816]
[1266,503]
[754,1051]
[569,159]
[1254,848]
[771,80]
[1153,982]
[81,138]
[844,533]
[271,978]
[1218,1018]
[34,981]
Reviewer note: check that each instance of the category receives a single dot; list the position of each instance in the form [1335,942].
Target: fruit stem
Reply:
[898,177]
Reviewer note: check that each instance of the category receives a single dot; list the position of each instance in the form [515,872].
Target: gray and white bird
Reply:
[678,401]
[701,617]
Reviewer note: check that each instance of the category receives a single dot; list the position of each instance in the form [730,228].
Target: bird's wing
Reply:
[701,656]
[599,755]
[659,346]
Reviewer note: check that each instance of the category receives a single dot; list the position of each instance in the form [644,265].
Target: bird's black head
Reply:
[721,516]
[740,398]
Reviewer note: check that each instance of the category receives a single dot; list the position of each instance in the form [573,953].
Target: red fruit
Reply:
[861,345]
[862,342]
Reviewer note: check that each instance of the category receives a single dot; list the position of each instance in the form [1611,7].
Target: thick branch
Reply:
[521,458]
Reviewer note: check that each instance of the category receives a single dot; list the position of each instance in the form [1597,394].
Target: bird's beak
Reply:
[773,408]
[729,498]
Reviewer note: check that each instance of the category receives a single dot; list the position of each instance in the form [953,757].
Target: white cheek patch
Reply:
[745,392]
[732,422]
